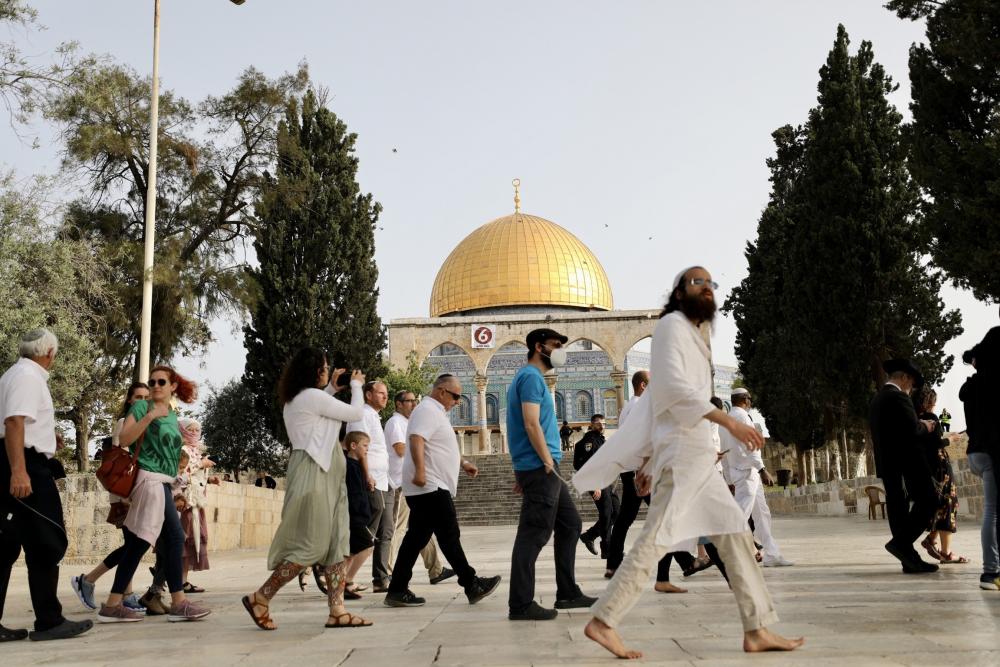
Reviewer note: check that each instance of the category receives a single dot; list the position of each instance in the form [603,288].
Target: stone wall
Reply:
[240,516]
[847,496]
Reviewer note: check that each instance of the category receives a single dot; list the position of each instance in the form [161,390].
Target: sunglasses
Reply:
[162,382]
[454,396]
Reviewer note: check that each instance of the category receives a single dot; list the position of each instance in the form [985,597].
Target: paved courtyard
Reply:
[845,594]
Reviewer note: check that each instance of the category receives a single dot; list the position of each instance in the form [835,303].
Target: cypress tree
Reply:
[316,274]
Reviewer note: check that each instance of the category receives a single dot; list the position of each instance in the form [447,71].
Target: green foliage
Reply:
[414,377]
[315,247]
[236,435]
[837,280]
[211,158]
[954,138]
[60,283]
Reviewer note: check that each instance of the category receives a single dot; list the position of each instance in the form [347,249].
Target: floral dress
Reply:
[935,449]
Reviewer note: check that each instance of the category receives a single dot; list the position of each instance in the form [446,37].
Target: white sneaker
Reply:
[780,561]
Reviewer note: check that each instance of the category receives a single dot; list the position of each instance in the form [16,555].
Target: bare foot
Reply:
[607,637]
[667,587]
[756,641]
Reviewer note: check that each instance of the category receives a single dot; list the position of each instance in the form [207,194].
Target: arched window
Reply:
[462,412]
[610,403]
[560,407]
[492,411]
[584,405]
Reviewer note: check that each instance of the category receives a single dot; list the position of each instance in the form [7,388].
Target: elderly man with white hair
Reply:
[31,514]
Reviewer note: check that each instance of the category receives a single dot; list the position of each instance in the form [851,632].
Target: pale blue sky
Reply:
[652,118]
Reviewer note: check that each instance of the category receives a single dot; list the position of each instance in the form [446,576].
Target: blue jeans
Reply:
[981,465]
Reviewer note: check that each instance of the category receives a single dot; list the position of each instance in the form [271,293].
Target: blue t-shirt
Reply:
[529,387]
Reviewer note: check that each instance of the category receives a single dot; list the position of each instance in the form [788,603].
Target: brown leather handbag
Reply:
[119,468]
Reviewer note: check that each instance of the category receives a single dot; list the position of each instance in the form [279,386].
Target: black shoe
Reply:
[446,573]
[912,563]
[581,601]
[12,635]
[380,587]
[483,587]
[65,630]
[589,543]
[404,599]
[533,612]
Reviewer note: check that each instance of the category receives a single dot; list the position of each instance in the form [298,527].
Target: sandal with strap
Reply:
[261,620]
[190,588]
[950,558]
[931,548]
[352,594]
[351,622]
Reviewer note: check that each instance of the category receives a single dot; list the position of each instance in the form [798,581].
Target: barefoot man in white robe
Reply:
[670,430]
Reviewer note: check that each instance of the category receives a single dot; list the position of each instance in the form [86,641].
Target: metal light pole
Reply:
[147,257]
[150,235]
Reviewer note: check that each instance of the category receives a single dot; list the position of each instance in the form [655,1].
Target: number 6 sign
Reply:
[483,335]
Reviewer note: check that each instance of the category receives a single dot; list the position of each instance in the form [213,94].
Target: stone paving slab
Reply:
[845,594]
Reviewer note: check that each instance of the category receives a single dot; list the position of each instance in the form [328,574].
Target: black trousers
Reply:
[546,508]
[34,524]
[907,522]
[626,517]
[172,537]
[607,514]
[431,514]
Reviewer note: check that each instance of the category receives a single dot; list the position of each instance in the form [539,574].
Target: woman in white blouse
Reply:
[315,525]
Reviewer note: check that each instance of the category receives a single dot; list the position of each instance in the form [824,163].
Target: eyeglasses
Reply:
[162,382]
[408,400]
[454,396]
[699,282]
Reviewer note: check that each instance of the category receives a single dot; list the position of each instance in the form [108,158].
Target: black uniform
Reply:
[608,504]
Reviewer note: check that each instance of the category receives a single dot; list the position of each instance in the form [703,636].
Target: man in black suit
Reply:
[898,461]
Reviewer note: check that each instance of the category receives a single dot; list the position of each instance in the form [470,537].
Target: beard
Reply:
[698,308]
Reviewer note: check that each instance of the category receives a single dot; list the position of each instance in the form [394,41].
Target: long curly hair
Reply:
[301,372]
[187,391]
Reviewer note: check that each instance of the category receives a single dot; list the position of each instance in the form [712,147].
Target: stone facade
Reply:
[240,516]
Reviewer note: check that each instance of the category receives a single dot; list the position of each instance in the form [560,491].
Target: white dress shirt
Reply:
[739,457]
[313,419]
[24,392]
[378,455]
[442,457]
[395,431]
[623,415]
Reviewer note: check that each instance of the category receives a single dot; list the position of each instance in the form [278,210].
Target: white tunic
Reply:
[738,456]
[668,425]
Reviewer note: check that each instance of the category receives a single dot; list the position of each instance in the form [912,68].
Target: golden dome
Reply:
[520,260]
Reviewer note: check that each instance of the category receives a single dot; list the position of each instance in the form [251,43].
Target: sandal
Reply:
[261,620]
[352,594]
[950,558]
[302,580]
[931,548]
[190,588]
[357,588]
[351,622]
[320,581]
[699,564]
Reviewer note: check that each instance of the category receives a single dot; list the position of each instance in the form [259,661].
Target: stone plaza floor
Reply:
[845,594]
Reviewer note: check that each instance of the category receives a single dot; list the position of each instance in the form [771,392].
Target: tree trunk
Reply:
[836,459]
[828,471]
[800,463]
[81,422]
[812,466]
[847,454]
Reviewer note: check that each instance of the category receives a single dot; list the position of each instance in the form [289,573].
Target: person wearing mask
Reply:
[901,466]
[31,515]
[603,499]
[547,506]
[395,438]
[83,584]
[747,472]
[376,467]
[315,521]
[151,503]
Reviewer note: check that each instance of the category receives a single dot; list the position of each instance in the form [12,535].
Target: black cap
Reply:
[542,335]
[904,366]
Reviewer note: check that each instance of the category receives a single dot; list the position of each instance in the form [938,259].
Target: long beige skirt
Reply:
[315,525]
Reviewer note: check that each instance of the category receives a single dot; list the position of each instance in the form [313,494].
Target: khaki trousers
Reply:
[429,554]
[736,551]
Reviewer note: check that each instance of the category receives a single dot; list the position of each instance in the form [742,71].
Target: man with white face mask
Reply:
[546,506]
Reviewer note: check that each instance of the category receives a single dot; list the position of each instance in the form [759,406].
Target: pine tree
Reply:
[315,247]
[955,136]
[838,280]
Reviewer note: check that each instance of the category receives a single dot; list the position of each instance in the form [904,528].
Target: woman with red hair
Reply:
[151,512]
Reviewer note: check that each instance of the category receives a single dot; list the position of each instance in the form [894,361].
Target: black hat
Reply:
[542,335]
[904,366]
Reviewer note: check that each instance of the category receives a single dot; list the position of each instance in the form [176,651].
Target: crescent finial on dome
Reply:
[517,194]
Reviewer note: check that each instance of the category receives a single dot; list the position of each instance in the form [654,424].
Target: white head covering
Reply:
[680,276]
[739,391]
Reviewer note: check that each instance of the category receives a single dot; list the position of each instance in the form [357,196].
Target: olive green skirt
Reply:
[315,525]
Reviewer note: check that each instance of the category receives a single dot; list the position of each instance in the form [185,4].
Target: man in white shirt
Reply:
[376,467]
[430,482]
[395,437]
[31,515]
[746,470]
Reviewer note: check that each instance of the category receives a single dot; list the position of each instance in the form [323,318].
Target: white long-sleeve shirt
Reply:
[313,419]
[739,457]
